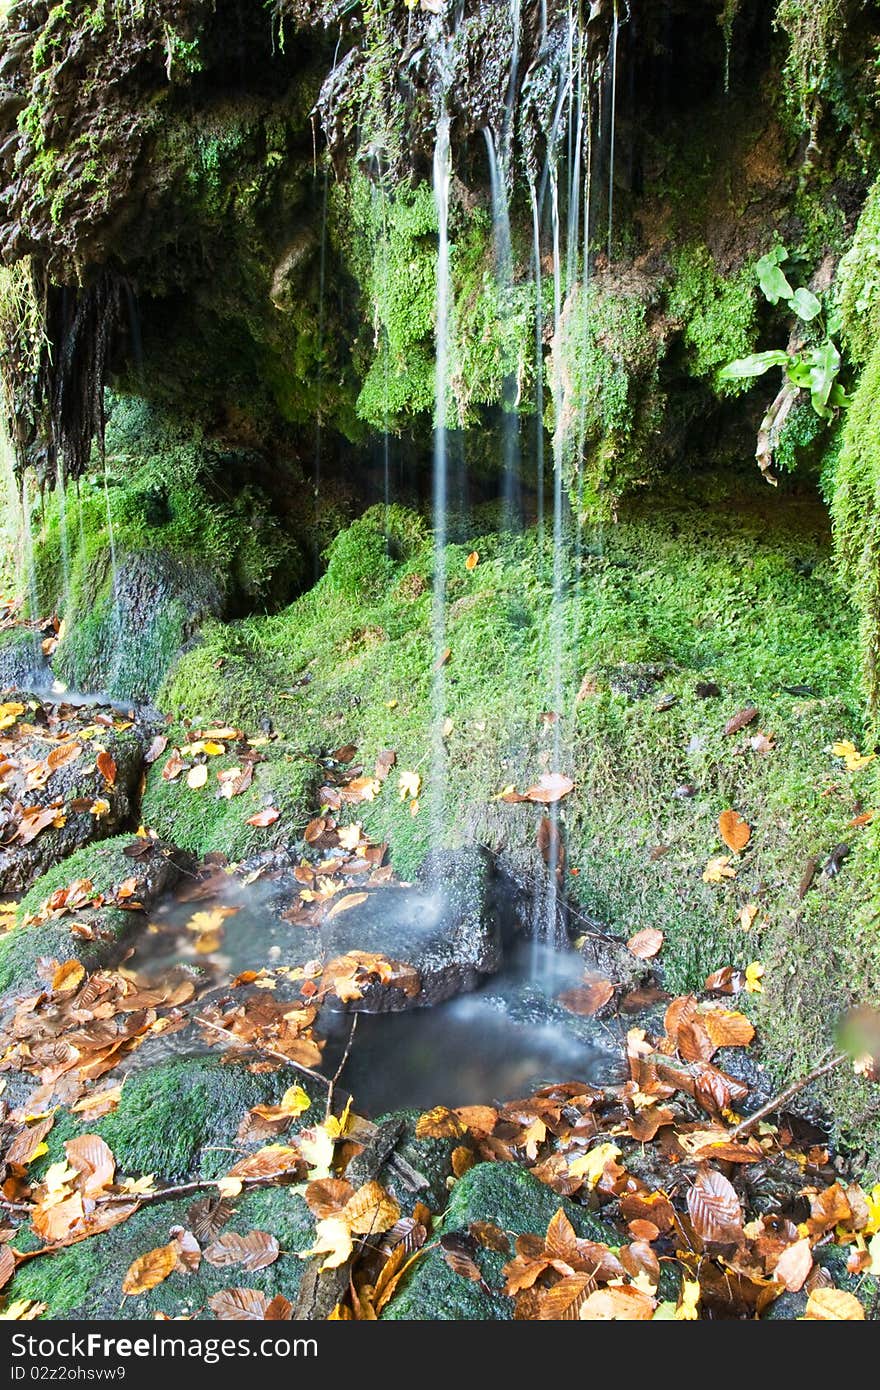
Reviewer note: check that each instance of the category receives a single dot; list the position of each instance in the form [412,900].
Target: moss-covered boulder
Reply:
[509,1197]
[107,927]
[85,1280]
[88,805]
[179,1118]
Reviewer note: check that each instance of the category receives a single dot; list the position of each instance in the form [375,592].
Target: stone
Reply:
[442,925]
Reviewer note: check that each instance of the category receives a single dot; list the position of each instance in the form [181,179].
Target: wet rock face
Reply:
[443,926]
[87,806]
[125,643]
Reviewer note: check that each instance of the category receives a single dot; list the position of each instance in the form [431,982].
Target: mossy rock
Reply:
[107,865]
[22,863]
[22,663]
[203,822]
[84,1281]
[179,1118]
[510,1197]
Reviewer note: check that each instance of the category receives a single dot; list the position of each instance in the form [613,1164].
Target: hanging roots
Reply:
[55,368]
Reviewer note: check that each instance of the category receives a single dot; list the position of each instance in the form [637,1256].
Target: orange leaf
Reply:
[834,1305]
[150,1269]
[549,788]
[472,560]
[794,1265]
[107,767]
[735,832]
[645,944]
[347,902]
[62,755]
[264,818]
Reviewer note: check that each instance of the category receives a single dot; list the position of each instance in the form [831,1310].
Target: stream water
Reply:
[498,1042]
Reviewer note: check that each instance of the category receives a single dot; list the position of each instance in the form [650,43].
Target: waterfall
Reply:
[27,576]
[539,365]
[510,484]
[442,178]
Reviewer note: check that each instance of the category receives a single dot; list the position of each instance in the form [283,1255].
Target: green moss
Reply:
[718,313]
[607,401]
[509,1197]
[22,948]
[180,1118]
[135,559]
[85,1280]
[202,821]
[858,283]
[854,486]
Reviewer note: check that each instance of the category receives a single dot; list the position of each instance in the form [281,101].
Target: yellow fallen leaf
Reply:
[688,1300]
[718,869]
[333,1239]
[410,784]
[213,749]
[68,977]
[229,1187]
[150,1269]
[197,776]
[754,975]
[747,916]
[590,1166]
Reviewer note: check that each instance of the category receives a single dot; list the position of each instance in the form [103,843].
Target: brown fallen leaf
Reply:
[741,720]
[646,943]
[149,1270]
[549,788]
[253,1251]
[62,755]
[240,1305]
[264,818]
[715,1209]
[734,831]
[106,765]
[587,999]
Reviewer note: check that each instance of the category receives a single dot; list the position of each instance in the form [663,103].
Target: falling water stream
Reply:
[442,179]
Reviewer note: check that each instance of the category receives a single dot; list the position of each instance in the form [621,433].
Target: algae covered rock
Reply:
[107,928]
[89,804]
[509,1197]
[85,1280]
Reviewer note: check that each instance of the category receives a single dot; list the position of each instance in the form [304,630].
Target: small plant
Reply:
[814,368]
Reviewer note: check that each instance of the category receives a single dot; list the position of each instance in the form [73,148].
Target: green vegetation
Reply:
[181,547]
[86,1279]
[739,590]
[607,401]
[22,948]
[718,313]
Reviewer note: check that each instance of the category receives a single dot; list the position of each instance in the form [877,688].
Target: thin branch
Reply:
[267,1051]
[339,1070]
[780,1101]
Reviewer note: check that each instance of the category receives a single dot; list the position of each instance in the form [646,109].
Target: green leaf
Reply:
[805,305]
[824,366]
[798,372]
[770,277]
[756,365]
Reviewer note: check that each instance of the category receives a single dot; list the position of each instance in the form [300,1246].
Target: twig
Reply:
[338,1072]
[778,1102]
[268,1051]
